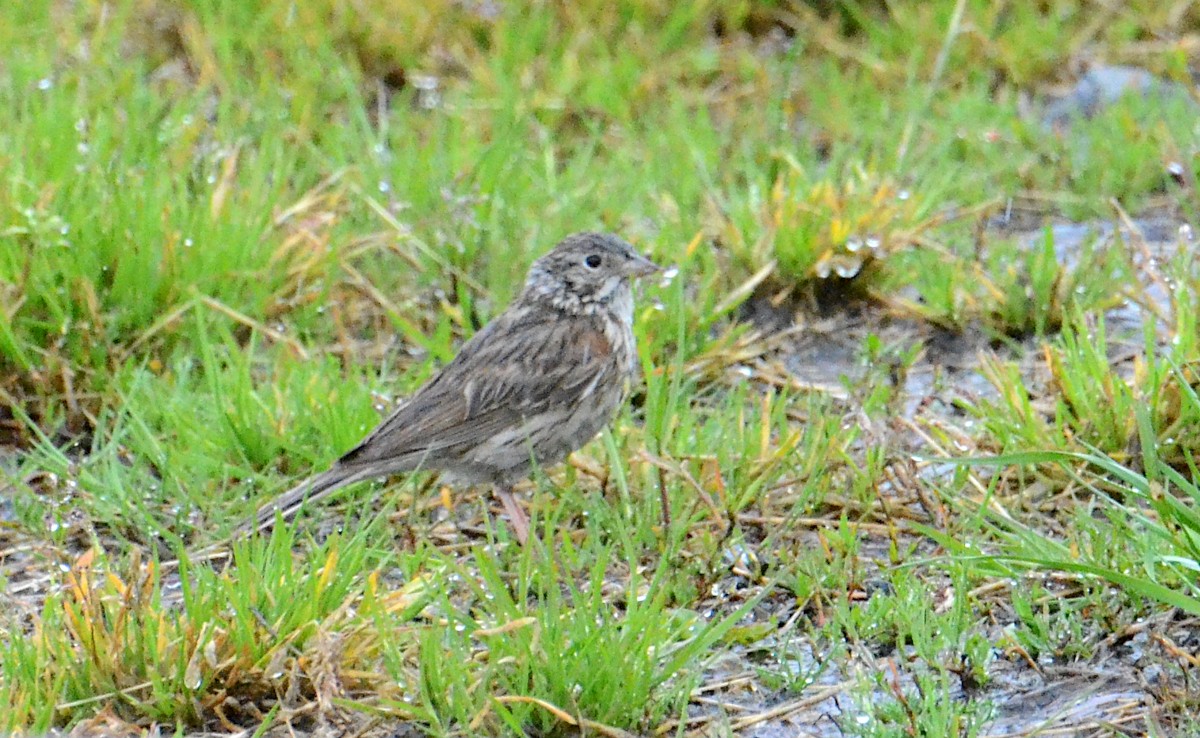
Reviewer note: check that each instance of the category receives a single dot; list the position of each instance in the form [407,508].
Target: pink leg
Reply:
[516,516]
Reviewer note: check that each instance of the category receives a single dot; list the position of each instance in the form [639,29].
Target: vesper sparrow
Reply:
[532,386]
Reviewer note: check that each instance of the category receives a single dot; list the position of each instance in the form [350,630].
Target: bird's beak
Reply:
[640,266]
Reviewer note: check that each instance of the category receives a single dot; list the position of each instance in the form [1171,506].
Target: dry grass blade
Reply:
[562,715]
[171,317]
[788,708]
[405,233]
[738,294]
[220,307]
[311,200]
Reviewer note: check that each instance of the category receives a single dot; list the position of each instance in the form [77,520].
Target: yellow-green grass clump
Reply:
[838,230]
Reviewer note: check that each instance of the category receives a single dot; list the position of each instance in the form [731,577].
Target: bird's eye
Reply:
[592,261]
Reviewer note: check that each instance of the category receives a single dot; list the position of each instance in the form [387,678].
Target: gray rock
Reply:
[1102,86]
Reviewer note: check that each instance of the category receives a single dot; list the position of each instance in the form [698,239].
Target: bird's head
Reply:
[587,271]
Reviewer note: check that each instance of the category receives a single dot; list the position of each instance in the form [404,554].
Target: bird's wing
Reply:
[519,365]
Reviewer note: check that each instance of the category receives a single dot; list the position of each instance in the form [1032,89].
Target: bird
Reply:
[536,383]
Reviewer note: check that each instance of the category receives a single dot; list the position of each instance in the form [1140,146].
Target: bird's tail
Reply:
[286,506]
[310,490]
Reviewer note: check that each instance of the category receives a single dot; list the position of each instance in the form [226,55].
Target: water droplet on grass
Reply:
[668,276]
[848,269]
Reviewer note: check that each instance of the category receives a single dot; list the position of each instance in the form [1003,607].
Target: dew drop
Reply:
[848,269]
[668,276]
[427,91]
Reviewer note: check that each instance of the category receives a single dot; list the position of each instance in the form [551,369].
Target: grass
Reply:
[232,236]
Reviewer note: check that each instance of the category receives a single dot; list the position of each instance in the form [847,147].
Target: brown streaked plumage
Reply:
[536,383]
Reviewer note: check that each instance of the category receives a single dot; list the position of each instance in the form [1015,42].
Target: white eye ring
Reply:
[593,261]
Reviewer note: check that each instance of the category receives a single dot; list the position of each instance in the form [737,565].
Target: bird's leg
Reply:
[516,516]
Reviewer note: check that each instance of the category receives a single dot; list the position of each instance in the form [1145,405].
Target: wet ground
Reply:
[1126,685]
